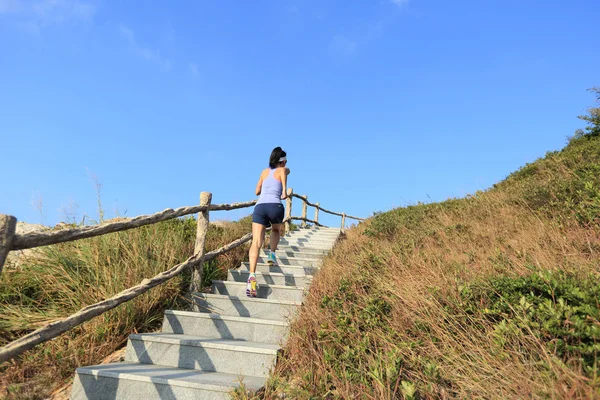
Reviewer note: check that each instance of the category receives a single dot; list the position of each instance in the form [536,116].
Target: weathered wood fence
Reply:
[9,240]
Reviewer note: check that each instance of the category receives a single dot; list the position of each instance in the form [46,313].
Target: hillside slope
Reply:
[492,296]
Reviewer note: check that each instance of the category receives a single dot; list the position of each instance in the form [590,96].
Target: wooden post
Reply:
[343,222]
[317,212]
[288,209]
[199,250]
[304,210]
[8,225]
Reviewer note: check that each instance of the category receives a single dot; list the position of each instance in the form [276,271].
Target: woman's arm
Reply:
[259,184]
[284,173]
[258,187]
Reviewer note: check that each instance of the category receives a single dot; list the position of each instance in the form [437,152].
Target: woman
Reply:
[272,188]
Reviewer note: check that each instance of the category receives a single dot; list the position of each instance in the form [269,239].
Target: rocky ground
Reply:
[16,257]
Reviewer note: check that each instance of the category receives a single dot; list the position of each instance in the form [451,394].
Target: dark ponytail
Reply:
[276,154]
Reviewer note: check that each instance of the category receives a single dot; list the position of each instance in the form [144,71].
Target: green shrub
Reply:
[559,309]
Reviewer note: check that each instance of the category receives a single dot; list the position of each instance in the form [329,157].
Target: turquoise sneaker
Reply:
[271,259]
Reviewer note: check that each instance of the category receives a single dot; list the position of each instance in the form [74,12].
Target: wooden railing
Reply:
[305,204]
[9,240]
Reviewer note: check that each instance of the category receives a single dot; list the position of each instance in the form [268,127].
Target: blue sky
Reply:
[378,103]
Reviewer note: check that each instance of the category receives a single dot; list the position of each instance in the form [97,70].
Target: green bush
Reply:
[559,309]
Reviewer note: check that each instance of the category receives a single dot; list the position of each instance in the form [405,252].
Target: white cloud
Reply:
[33,15]
[144,52]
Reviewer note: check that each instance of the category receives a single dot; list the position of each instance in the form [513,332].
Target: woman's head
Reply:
[277,157]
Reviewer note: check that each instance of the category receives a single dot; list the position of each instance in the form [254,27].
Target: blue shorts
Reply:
[268,213]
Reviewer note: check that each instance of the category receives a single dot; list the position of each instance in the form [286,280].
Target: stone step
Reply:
[270,278]
[291,254]
[328,235]
[335,231]
[317,229]
[135,381]
[265,291]
[280,310]
[298,259]
[202,353]
[298,262]
[312,244]
[300,249]
[225,327]
[307,239]
[316,235]
[283,269]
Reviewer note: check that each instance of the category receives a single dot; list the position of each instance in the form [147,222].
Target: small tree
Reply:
[593,118]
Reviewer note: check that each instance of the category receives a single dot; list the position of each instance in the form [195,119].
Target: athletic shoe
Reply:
[252,287]
[271,260]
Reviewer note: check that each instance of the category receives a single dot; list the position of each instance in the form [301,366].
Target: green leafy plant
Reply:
[559,309]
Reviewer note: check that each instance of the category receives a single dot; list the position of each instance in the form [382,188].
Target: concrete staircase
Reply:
[226,340]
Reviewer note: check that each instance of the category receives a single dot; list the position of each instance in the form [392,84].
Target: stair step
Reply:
[313,235]
[226,327]
[317,229]
[282,268]
[303,239]
[270,278]
[265,291]
[329,239]
[135,381]
[280,310]
[318,245]
[332,231]
[297,261]
[202,353]
[301,248]
[289,253]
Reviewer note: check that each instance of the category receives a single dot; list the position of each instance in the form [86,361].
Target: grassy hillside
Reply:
[492,296]
[69,276]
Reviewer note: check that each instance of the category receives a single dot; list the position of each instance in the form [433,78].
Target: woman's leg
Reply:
[276,217]
[258,237]
[276,230]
